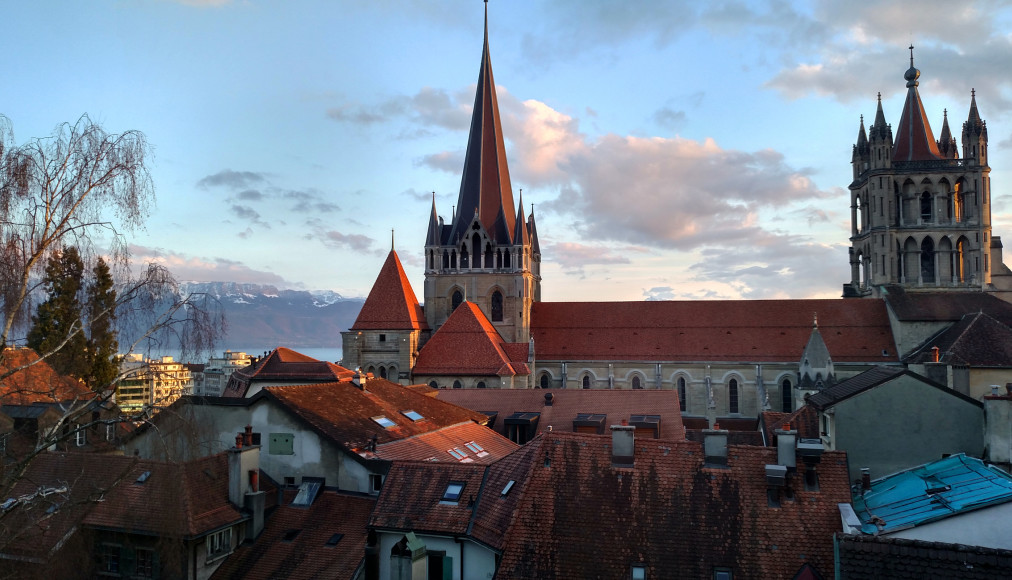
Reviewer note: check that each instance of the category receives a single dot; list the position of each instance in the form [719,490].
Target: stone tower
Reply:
[920,214]
[488,254]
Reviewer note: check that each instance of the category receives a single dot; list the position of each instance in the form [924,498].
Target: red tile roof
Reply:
[805,421]
[581,518]
[726,330]
[37,383]
[567,403]
[468,344]
[177,500]
[391,304]
[344,413]
[307,556]
[491,446]
[411,496]
[287,366]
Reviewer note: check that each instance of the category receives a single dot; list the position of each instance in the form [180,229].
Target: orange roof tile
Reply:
[468,344]
[37,383]
[491,446]
[725,330]
[391,304]
[284,365]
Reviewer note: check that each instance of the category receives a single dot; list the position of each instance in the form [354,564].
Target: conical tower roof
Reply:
[914,139]
[520,232]
[879,129]
[485,188]
[862,139]
[433,235]
[816,367]
[391,304]
[946,143]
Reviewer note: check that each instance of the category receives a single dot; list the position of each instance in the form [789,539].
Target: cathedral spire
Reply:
[914,139]
[433,235]
[946,142]
[520,236]
[879,129]
[485,188]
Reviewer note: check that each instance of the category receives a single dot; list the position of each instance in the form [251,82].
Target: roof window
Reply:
[307,492]
[334,540]
[413,415]
[454,490]
[639,572]
[460,455]
[290,535]
[478,449]
[384,422]
[143,477]
[506,489]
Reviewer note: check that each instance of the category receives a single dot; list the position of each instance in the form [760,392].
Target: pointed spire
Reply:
[532,228]
[520,236]
[946,142]
[391,304]
[862,139]
[914,139]
[879,129]
[433,236]
[974,116]
[485,183]
[391,239]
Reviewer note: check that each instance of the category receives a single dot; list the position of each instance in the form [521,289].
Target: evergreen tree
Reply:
[58,320]
[102,344]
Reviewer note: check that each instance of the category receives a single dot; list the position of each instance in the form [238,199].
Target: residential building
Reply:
[282,366]
[218,370]
[151,383]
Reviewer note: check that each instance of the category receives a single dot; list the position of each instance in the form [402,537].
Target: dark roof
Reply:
[804,420]
[869,380]
[977,340]
[411,496]
[914,139]
[287,366]
[863,557]
[468,344]
[943,306]
[307,555]
[391,304]
[568,403]
[725,330]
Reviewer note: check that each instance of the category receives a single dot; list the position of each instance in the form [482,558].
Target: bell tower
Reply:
[488,253]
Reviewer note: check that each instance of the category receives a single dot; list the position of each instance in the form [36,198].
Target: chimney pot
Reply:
[865,479]
[548,399]
[248,436]
[715,447]
[994,390]
[238,441]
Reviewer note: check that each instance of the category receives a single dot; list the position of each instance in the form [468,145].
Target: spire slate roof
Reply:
[520,232]
[946,142]
[391,304]
[485,188]
[468,344]
[879,128]
[914,139]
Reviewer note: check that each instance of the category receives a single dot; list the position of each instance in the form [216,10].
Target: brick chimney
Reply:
[623,445]
[244,481]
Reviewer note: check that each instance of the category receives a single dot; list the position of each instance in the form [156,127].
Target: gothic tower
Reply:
[920,215]
[488,254]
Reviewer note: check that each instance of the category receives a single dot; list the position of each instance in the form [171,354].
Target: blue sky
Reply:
[672,150]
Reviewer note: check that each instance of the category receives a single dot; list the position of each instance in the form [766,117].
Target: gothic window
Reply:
[732,396]
[681,393]
[434,384]
[488,256]
[476,249]
[959,258]
[497,306]
[506,260]
[498,259]
[928,260]
[457,385]
[446,259]
[392,372]
[586,381]
[545,381]
[481,384]
[787,396]
[458,298]
[636,382]
[926,207]
[464,257]
[383,372]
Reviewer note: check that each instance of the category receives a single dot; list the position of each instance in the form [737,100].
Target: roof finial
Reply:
[911,55]
[880,96]
[973,93]
[815,320]
[391,239]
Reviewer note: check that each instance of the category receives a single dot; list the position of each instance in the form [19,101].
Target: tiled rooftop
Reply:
[977,340]
[944,306]
[868,380]
[287,366]
[950,486]
[37,383]
[469,441]
[468,344]
[391,304]
[726,330]
[863,557]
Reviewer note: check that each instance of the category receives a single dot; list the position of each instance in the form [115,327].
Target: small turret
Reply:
[862,153]
[880,140]
[946,142]
[974,135]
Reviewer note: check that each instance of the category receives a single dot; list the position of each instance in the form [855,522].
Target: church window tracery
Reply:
[458,298]
[497,306]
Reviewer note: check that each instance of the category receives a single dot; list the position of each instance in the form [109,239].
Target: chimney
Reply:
[787,449]
[549,397]
[247,436]
[623,445]
[359,379]
[244,483]
[934,354]
[865,479]
[715,447]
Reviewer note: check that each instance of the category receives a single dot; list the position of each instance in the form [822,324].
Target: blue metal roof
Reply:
[930,492]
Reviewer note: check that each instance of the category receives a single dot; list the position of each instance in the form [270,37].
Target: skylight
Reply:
[453,492]
[143,477]
[508,487]
[334,539]
[384,422]
[307,493]
[413,415]
[290,535]
[459,454]
[477,449]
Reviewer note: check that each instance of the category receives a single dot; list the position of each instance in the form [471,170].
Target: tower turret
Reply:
[974,135]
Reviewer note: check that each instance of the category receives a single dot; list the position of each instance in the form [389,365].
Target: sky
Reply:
[670,150]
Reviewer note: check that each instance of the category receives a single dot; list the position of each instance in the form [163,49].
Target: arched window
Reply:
[476,249]
[464,263]
[681,393]
[959,258]
[732,396]
[457,385]
[489,257]
[545,381]
[371,370]
[586,381]
[434,384]
[957,203]
[497,306]
[481,384]
[392,372]
[787,396]
[636,383]
[458,298]
[928,260]
[383,372]
[926,207]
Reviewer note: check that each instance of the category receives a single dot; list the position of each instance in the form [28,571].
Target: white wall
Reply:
[990,527]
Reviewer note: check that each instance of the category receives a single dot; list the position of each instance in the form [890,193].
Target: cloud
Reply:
[202,269]
[250,195]
[429,107]
[232,179]
[572,257]
[669,118]
[336,240]
[659,293]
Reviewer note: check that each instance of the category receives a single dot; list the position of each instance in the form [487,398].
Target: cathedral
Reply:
[922,254]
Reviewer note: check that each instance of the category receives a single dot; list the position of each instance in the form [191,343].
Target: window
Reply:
[413,415]
[681,394]
[457,454]
[80,437]
[639,572]
[110,431]
[145,566]
[481,384]
[384,422]
[219,544]
[722,574]
[109,558]
[334,539]
[732,396]
[506,489]
[477,449]
[586,381]
[281,444]
[457,299]
[434,384]
[636,383]
[454,489]
[375,482]
[308,491]
[497,306]
[457,385]
[787,396]
[545,381]
[290,535]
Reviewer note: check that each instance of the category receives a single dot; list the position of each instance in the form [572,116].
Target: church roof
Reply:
[468,344]
[391,304]
[914,139]
[726,330]
[485,189]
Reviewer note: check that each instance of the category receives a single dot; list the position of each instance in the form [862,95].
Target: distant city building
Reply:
[151,382]
[218,370]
